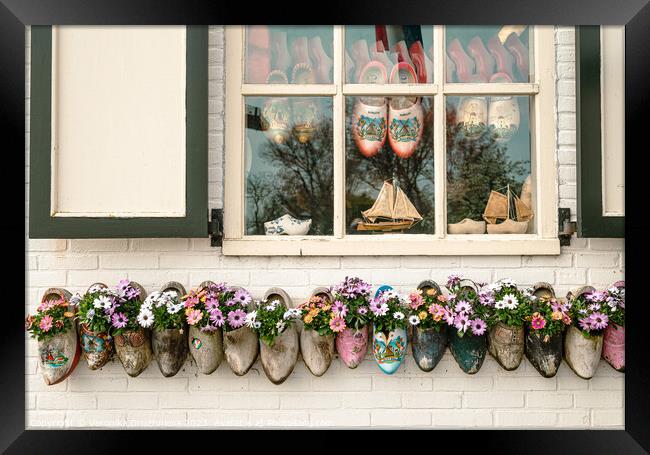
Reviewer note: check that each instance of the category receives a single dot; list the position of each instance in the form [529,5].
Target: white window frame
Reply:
[543,160]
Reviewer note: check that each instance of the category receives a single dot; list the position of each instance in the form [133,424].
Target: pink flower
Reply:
[236,318]
[193,316]
[46,323]
[191,301]
[339,309]
[416,300]
[478,327]
[337,324]
[538,322]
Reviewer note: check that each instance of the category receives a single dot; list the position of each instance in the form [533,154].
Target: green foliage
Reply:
[316,315]
[511,306]
[390,311]
[91,309]
[274,318]
[554,314]
[55,317]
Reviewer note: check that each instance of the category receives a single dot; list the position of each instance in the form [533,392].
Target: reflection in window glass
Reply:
[289,54]
[388,45]
[288,166]
[496,53]
[489,187]
[389,165]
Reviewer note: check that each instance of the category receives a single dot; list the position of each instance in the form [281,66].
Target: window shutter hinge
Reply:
[215,227]
[566,227]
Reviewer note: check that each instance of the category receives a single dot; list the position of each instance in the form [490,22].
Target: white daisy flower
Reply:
[511,302]
[94,288]
[173,308]
[414,320]
[102,302]
[145,318]
[251,319]
[280,325]
[257,324]
[272,305]
[500,305]
[398,315]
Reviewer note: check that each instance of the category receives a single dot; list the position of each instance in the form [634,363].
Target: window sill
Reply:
[392,245]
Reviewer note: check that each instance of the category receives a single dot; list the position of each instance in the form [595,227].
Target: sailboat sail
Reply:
[496,208]
[394,207]
[404,208]
[524,213]
[383,206]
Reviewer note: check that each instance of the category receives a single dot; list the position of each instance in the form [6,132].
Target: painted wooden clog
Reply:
[428,345]
[614,341]
[352,345]
[317,350]
[279,359]
[133,347]
[544,353]
[170,345]
[206,347]
[468,351]
[543,290]
[582,353]
[240,347]
[388,348]
[97,347]
[506,345]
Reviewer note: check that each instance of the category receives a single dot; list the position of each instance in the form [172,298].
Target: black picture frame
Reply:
[14,14]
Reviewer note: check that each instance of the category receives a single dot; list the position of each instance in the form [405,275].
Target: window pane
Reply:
[489,165]
[289,54]
[288,166]
[493,53]
[382,54]
[389,165]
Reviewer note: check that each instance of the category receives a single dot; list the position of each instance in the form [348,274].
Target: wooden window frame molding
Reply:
[592,222]
[543,161]
[194,224]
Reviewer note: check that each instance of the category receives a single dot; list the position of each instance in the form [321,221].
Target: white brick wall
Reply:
[445,397]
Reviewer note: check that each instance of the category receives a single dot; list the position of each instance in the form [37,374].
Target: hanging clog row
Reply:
[215,321]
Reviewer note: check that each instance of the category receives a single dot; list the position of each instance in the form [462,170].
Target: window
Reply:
[366,140]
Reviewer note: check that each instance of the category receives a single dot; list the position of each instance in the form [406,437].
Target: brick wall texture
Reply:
[444,398]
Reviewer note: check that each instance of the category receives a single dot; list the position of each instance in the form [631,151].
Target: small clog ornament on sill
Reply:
[467,317]
[352,331]
[132,341]
[287,225]
[162,312]
[388,317]
[275,322]
[428,328]
[583,343]
[614,338]
[93,314]
[322,320]
[53,327]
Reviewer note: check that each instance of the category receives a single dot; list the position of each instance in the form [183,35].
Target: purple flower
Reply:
[598,321]
[242,297]
[594,307]
[211,304]
[452,281]
[362,310]
[216,317]
[478,327]
[461,322]
[236,318]
[378,307]
[463,306]
[448,317]
[486,297]
[339,308]
[585,324]
[230,302]
[132,293]
[119,320]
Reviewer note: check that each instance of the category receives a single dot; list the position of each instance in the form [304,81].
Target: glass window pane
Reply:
[382,54]
[389,165]
[493,53]
[288,166]
[489,184]
[289,54]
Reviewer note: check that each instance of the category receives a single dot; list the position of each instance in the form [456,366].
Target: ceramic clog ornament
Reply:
[53,327]
[316,336]
[503,113]
[583,343]
[132,342]
[352,341]
[405,114]
[287,225]
[614,337]
[94,326]
[306,114]
[466,226]
[389,338]
[369,114]
[275,119]
[428,328]
[543,342]
[205,342]
[279,344]
[169,342]
[472,113]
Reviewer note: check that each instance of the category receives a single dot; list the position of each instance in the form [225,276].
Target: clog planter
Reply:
[206,349]
[97,347]
[279,357]
[170,345]
[59,353]
[352,345]
[240,347]
[133,347]
[428,343]
[614,339]
[317,350]
[506,345]
[581,351]
[544,352]
[468,350]
[388,346]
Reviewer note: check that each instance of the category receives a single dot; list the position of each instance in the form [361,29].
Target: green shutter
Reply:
[591,222]
[194,224]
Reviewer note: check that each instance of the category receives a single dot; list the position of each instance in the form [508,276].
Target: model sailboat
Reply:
[392,211]
[514,215]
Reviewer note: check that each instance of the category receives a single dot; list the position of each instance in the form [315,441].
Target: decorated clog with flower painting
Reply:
[95,324]
[405,114]
[583,343]
[614,337]
[52,326]
[389,340]
[317,336]
[275,323]
[369,114]
[352,329]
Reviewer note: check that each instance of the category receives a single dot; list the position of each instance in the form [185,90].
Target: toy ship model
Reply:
[392,211]
[515,215]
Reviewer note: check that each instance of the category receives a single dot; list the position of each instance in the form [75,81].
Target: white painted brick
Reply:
[549,400]
[537,419]
[608,417]
[310,401]
[96,245]
[370,400]
[572,276]
[46,278]
[400,418]
[566,157]
[46,244]
[284,277]
[250,400]
[567,174]
[210,419]
[128,261]
[573,419]
[158,418]
[607,244]
[283,418]
[567,121]
[605,277]
[340,418]
[493,399]
[84,278]
[461,418]
[65,401]
[567,190]
[566,70]
[472,383]
[241,277]
[491,261]
[67,262]
[393,383]
[431,400]
[159,244]
[160,384]
[129,400]
[567,138]
[45,419]
[599,399]
[563,260]
[565,35]
[524,277]
[565,54]
[601,260]
[608,383]
[152,280]
[177,400]
[95,419]
[97,384]
[517,382]
[332,384]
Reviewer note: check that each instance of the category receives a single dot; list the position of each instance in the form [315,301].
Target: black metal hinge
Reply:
[566,227]
[215,227]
